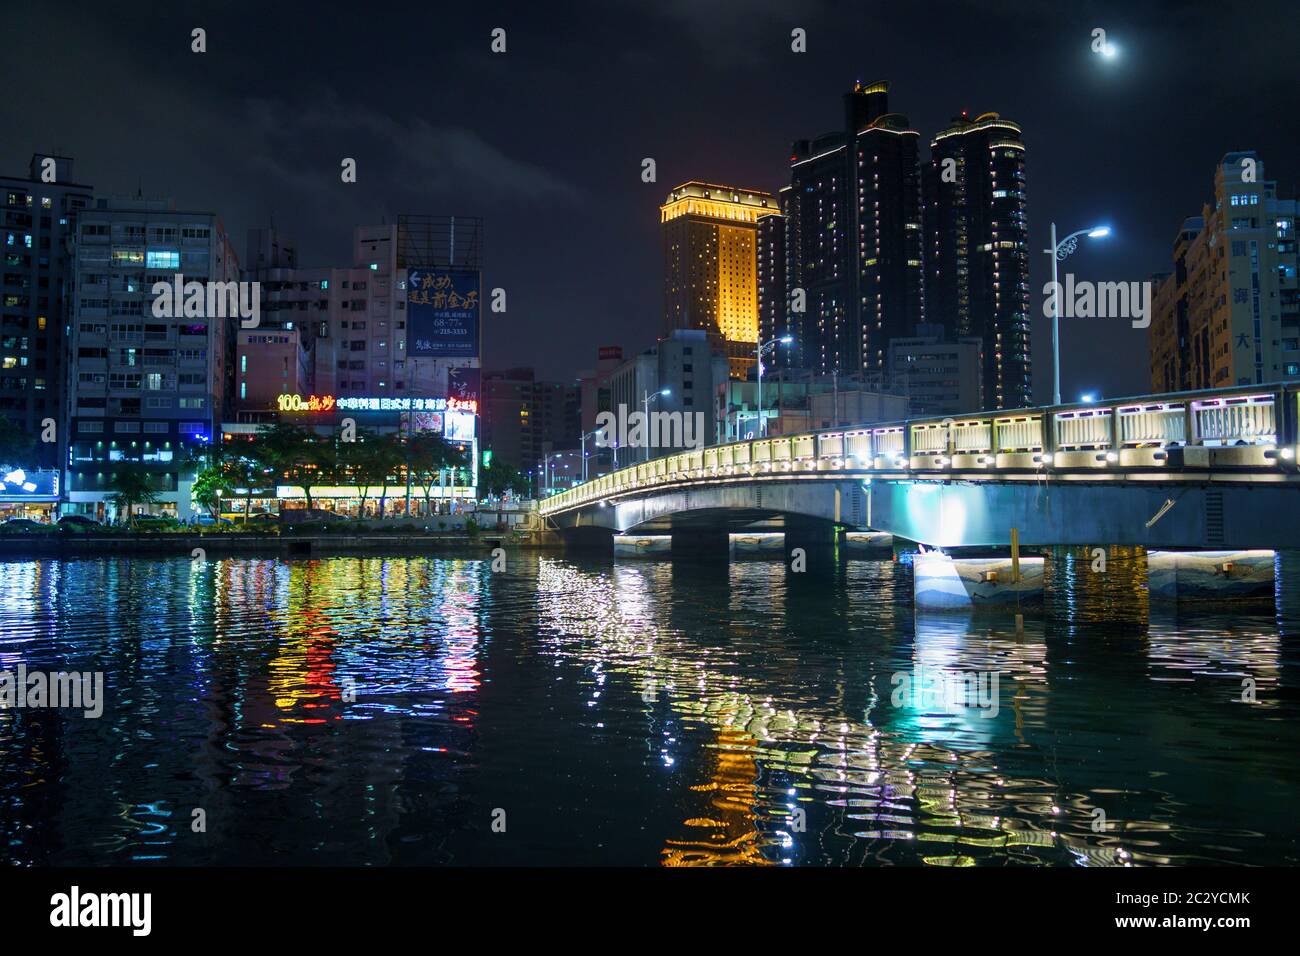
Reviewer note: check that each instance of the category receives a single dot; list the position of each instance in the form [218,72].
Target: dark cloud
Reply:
[546,141]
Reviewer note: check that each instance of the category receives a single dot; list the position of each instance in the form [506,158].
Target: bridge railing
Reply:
[1249,427]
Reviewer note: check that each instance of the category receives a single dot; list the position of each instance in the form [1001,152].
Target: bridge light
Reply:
[1100,232]
[1088,398]
[944,461]
[1112,456]
[1288,454]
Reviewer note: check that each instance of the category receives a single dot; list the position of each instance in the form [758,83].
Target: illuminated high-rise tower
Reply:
[711,265]
[977,263]
[853,242]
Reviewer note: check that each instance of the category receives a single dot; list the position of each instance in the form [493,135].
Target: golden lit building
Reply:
[711,264]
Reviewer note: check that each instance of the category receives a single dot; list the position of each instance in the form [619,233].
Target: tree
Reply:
[16,446]
[131,485]
[496,479]
[389,453]
[210,485]
[368,461]
[297,455]
[428,455]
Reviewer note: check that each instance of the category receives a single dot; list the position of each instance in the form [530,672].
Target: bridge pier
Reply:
[867,544]
[942,582]
[708,543]
[811,547]
[1211,575]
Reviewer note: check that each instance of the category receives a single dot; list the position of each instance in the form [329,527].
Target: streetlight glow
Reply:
[1058,251]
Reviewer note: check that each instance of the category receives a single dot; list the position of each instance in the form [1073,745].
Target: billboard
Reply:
[442,313]
[463,385]
[458,426]
[413,422]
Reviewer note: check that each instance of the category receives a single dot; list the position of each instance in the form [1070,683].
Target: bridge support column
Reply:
[642,545]
[940,582]
[1211,575]
[868,544]
[697,543]
[810,548]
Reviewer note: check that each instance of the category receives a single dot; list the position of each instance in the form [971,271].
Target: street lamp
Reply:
[783,340]
[1060,251]
[583,439]
[645,404]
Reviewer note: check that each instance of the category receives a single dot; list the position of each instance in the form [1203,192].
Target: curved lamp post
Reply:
[1059,252]
[762,349]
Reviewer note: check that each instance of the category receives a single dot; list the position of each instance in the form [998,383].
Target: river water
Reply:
[568,710]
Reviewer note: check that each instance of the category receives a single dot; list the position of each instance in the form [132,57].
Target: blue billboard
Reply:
[442,313]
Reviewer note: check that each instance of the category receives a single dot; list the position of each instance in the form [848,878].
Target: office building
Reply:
[146,389]
[692,366]
[937,375]
[40,214]
[1229,313]
[525,418]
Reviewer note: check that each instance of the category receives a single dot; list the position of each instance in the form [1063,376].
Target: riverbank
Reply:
[96,544]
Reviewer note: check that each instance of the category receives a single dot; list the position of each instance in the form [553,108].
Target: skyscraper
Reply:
[977,257]
[853,237]
[711,265]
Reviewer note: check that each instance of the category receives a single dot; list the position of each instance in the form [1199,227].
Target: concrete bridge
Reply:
[1210,469]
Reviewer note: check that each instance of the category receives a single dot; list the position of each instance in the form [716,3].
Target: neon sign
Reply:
[312,403]
[326,403]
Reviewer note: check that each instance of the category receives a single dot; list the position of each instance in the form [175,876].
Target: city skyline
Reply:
[1082,114]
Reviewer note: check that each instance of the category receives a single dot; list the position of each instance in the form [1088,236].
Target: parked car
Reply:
[208,521]
[19,525]
[78,523]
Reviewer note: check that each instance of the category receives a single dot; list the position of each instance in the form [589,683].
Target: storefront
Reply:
[455,419]
[29,494]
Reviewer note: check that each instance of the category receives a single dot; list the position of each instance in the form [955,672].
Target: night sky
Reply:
[546,141]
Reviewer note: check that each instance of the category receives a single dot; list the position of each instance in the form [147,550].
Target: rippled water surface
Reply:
[386,710]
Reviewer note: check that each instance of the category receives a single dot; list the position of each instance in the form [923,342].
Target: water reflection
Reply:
[381,709]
